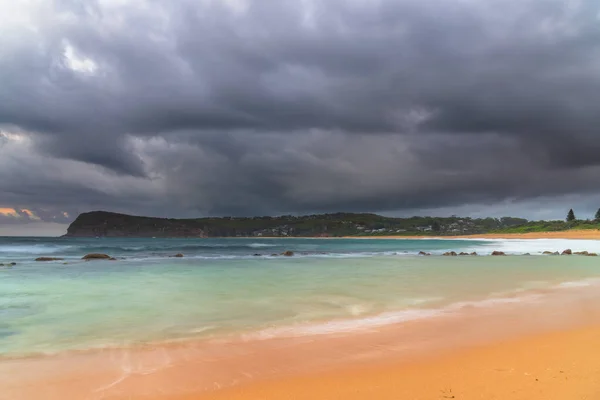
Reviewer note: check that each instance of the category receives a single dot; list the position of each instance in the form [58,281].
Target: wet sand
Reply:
[494,352]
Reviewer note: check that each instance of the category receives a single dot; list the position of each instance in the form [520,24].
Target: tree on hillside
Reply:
[597,216]
[570,216]
[436,227]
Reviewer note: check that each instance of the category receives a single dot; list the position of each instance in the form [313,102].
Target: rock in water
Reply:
[581,253]
[547,252]
[567,252]
[450,253]
[288,253]
[96,256]
[592,255]
[498,253]
[48,259]
[462,253]
[178,255]
[422,253]
[474,253]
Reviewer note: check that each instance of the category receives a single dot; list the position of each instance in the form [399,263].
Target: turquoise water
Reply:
[232,287]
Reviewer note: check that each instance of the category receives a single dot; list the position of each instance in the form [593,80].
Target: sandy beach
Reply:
[583,234]
[542,367]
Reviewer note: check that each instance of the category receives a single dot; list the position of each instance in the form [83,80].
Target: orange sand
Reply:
[591,234]
[561,366]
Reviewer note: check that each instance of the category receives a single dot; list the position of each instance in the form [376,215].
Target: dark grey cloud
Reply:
[246,107]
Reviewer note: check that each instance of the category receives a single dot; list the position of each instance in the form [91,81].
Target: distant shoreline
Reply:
[583,234]
[580,234]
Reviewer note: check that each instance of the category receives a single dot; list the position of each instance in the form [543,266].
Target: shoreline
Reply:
[584,234]
[266,369]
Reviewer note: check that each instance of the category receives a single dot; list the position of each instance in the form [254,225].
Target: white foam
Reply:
[33,249]
[536,246]
[384,319]
[578,284]
[260,245]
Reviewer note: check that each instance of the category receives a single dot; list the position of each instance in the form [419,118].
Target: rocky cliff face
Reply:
[107,224]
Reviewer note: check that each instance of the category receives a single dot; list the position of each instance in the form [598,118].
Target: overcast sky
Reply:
[237,107]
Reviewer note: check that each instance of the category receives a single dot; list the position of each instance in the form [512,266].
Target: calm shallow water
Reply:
[220,288]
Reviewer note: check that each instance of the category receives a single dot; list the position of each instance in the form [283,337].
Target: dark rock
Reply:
[288,253]
[274,255]
[547,252]
[450,253]
[48,259]
[474,253]
[422,253]
[13,263]
[256,255]
[556,253]
[96,256]
[112,259]
[178,255]
[567,252]
[592,255]
[526,254]
[462,253]
[498,253]
[581,253]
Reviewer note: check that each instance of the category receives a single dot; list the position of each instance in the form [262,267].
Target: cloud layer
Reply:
[213,107]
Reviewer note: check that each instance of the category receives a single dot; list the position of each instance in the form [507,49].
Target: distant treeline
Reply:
[101,223]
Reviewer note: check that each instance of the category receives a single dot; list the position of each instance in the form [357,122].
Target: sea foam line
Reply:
[395,317]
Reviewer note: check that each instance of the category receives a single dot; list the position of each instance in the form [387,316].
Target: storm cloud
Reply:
[241,107]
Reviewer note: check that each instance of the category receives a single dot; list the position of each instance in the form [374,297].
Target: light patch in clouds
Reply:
[78,62]
[19,213]
[30,214]
[9,212]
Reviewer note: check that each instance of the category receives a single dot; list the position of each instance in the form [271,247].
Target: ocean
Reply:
[242,289]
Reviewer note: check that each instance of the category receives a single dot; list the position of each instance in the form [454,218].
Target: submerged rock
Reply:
[288,253]
[257,255]
[274,255]
[96,256]
[567,252]
[450,253]
[178,255]
[526,254]
[112,259]
[498,253]
[48,259]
